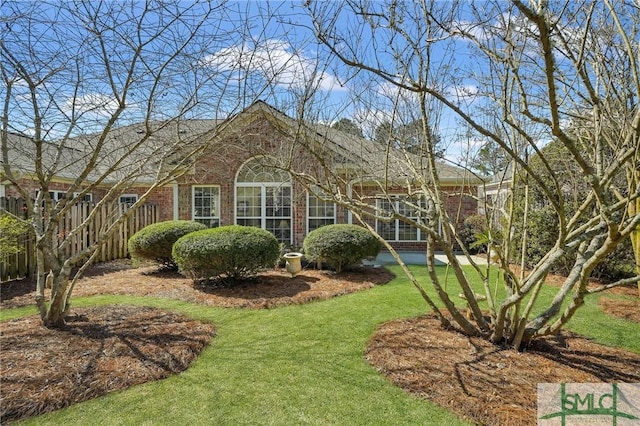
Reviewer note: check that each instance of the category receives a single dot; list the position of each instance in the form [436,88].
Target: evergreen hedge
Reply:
[341,245]
[231,252]
[155,241]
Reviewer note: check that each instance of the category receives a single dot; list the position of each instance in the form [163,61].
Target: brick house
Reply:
[242,178]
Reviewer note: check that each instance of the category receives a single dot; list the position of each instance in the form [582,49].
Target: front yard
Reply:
[312,359]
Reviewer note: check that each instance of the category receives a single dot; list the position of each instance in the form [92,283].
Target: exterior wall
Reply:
[32,186]
[461,202]
[220,164]
[163,197]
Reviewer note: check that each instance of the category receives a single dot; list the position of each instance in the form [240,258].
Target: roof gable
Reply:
[348,151]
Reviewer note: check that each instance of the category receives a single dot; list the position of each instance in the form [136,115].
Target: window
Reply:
[128,199]
[59,195]
[319,212]
[206,205]
[263,199]
[397,230]
[55,195]
[86,198]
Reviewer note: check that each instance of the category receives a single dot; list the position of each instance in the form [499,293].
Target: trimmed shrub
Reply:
[155,242]
[233,252]
[341,245]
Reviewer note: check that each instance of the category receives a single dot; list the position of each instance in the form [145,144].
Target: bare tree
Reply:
[104,95]
[533,67]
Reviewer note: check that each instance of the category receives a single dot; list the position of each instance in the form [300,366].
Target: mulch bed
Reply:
[626,309]
[110,348]
[484,383]
[101,350]
[270,289]
[479,381]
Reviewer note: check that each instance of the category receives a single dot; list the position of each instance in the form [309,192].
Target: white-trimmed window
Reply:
[206,205]
[128,199]
[86,198]
[59,195]
[319,212]
[263,199]
[55,195]
[397,230]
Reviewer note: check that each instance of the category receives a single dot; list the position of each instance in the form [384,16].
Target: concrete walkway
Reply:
[418,258]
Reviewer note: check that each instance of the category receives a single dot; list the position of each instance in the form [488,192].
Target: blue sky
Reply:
[282,48]
[271,54]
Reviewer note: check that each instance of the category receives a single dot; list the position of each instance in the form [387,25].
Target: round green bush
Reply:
[155,242]
[232,252]
[341,245]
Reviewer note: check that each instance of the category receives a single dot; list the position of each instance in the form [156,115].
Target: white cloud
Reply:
[465,93]
[276,61]
[470,29]
[469,146]
[91,105]
[24,97]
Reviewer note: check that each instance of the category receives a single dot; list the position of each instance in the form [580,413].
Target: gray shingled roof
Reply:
[22,153]
[165,137]
[157,143]
[367,157]
[349,152]
[377,159]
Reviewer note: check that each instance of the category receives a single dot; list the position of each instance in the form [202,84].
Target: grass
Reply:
[292,365]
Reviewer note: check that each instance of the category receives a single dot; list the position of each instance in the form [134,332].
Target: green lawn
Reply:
[292,365]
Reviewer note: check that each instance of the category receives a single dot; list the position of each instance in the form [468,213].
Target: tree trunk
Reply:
[54,318]
[57,308]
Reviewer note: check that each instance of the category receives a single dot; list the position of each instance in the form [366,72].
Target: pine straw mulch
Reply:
[110,348]
[627,308]
[479,381]
[267,290]
[486,384]
[101,350]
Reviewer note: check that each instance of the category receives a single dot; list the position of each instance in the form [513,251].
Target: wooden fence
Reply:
[23,264]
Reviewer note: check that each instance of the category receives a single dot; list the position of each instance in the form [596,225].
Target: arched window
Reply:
[263,198]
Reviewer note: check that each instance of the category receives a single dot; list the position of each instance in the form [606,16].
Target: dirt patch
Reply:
[101,350]
[484,383]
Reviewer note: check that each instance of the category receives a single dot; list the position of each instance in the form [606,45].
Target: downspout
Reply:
[349,193]
[176,210]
